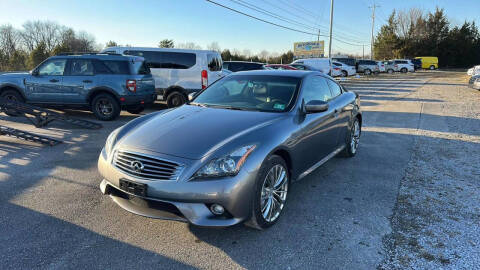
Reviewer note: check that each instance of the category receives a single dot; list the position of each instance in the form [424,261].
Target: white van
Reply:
[320,64]
[177,72]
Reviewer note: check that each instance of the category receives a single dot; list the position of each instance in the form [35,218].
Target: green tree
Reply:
[166,43]
[111,43]
[38,55]
[387,41]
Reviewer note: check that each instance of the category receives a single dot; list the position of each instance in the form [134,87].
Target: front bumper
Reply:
[182,200]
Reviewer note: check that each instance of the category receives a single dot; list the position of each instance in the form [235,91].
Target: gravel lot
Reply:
[409,199]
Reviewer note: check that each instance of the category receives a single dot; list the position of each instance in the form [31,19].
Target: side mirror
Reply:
[34,72]
[316,106]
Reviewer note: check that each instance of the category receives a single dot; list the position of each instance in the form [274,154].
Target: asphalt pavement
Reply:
[52,214]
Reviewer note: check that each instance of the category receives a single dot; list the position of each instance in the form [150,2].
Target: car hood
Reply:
[192,132]
[13,74]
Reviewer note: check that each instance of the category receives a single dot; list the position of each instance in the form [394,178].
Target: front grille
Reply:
[146,167]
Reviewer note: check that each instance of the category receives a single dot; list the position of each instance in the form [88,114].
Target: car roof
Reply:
[244,62]
[98,56]
[158,49]
[286,73]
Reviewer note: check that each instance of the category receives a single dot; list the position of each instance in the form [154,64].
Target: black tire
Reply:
[404,70]
[350,149]
[257,221]
[175,99]
[344,73]
[105,107]
[136,109]
[367,72]
[12,95]
[432,67]
[390,71]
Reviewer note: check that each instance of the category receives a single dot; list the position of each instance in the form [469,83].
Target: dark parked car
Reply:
[231,154]
[417,63]
[104,83]
[236,66]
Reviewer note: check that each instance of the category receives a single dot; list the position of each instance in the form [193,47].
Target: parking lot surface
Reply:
[409,199]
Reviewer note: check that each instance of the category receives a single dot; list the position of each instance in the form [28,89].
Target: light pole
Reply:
[330,40]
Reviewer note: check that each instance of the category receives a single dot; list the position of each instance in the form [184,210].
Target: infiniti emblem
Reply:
[137,166]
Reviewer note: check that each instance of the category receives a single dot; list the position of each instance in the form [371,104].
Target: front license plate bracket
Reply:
[134,188]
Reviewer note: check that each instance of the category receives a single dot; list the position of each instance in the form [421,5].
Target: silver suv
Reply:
[367,67]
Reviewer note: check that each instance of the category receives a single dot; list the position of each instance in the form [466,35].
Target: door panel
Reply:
[343,110]
[78,80]
[46,86]
[318,133]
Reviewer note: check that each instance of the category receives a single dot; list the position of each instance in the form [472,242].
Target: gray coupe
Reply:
[230,155]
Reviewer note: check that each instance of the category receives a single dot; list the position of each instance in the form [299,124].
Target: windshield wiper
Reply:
[199,104]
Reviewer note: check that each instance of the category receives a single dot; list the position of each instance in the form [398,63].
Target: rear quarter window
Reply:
[114,67]
[170,60]
[214,62]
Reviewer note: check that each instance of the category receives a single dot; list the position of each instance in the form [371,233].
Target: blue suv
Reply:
[105,83]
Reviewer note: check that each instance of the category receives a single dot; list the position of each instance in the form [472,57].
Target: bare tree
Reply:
[46,32]
[264,54]
[406,21]
[9,40]
[188,45]
[247,53]
[214,46]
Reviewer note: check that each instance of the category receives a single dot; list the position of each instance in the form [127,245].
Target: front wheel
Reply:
[270,193]
[175,99]
[353,139]
[404,70]
[12,95]
[367,72]
[390,71]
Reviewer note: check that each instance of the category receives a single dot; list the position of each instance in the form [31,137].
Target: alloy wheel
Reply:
[105,107]
[274,193]
[355,140]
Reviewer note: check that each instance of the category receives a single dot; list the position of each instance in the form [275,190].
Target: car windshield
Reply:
[251,92]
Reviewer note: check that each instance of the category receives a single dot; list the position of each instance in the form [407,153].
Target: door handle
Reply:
[53,80]
[87,81]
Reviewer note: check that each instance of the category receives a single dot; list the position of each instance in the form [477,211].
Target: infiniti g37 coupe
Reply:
[230,155]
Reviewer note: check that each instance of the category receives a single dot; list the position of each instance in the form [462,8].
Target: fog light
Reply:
[217,209]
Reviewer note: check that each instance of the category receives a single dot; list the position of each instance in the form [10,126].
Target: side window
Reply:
[81,67]
[335,88]
[55,67]
[117,67]
[316,89]
[100,67]
[214,64]
[172,60]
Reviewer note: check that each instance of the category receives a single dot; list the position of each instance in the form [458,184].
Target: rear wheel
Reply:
[344,73]
[390,71]
[353,139]
[367,71]
[432,67]
[105,107]
[404,70]
[175,99]
[12,95]
[270,193]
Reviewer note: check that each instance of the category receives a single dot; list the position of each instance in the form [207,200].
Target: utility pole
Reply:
[363,51]
[330,40]
[373,28]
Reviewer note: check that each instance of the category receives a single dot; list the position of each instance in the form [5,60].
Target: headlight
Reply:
[110,140]
[227,165]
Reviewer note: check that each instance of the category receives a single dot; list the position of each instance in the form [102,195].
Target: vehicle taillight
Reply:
[132,85]
[204,79]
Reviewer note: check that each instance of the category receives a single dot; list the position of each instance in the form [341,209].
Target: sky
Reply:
[145,23]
